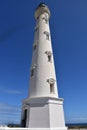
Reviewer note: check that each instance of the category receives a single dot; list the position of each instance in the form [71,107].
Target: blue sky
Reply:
[68,26]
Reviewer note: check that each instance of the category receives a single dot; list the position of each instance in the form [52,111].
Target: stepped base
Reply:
[43,113]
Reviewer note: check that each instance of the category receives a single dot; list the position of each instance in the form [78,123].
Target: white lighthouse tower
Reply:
[43,108]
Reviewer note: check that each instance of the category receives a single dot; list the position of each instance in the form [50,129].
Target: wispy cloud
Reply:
[77,119]
[10,91]
[9,113]
[8,107]
[13,92]
[80,119]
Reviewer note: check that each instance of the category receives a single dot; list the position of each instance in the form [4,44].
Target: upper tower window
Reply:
[51,81]
[35,46]
[45,18]
[49,58]
[36,28]
[47,35]
[33,70]
[49,54]
[52,88]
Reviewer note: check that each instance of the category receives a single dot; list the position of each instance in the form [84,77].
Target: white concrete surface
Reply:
[44,70]
[44,107]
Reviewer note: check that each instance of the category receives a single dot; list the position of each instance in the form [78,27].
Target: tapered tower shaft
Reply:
[43,81]
[43,108]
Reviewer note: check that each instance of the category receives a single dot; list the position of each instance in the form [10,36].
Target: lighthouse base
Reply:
[44,112]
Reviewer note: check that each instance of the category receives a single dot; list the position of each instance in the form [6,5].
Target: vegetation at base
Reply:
[76,125]
[13,125]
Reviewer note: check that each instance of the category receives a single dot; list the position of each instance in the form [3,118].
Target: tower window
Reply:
[36,28]
[51,87]
[51,81]
[49,54]
[32,72]
[49,58]
[35,47]
[45,19]
[47,35]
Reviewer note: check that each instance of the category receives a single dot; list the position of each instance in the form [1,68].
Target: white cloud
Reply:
[9,113]
[82,119]
[4,106]
[77,119]
[13,92]
[10,91]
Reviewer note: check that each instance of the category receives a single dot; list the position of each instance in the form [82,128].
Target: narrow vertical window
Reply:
[36,28]
[49,55]
[47,35]
[51,82]
[45,19]
[35,47]
[32,72]
[51,87]
[49,58]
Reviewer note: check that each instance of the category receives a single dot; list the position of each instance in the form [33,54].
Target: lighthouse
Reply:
[43,108]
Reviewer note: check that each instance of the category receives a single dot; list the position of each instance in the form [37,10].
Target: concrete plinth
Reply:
[44,112]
